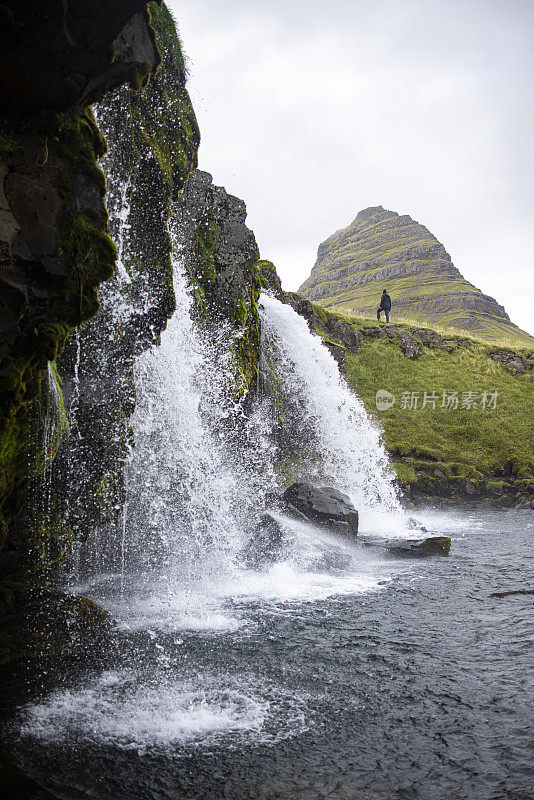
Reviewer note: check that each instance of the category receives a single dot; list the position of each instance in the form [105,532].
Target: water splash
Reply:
[330,419]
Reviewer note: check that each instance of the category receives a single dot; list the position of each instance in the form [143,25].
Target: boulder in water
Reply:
[323,505]
[418,548]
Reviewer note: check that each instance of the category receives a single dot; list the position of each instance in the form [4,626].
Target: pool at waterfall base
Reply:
[329,674]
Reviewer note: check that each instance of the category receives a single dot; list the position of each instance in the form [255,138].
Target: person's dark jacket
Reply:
[385,301]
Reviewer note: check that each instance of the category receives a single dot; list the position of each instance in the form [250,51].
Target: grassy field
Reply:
[490,438]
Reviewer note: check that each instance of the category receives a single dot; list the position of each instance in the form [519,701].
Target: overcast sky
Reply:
[312,110]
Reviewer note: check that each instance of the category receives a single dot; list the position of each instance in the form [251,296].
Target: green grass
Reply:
[474,443]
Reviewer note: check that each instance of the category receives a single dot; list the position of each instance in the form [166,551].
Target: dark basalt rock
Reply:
[413,548]
[406,341]
[269,278]
[304,308]
[427,337]
[323,505]
[55,252]
[221,256]
[338,353]
[345,333]
[514,363]
[374,332]
[54,55]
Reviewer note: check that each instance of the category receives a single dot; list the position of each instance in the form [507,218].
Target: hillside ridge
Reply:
[382,248]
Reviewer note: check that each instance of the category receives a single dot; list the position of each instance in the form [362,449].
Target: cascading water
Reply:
[348,445]
[189,502]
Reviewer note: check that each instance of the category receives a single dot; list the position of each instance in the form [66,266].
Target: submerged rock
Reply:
[511,592]
[418,548]
[323,505]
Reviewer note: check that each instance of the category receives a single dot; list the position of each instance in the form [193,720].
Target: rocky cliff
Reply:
[54,245]
[221,256]
[72,325]
[383,249]
[55,251]
[149,158]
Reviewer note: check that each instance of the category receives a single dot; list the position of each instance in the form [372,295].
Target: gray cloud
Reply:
[311,111]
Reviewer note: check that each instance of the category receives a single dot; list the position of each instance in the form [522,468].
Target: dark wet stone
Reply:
[337,352]
[418,548]
[323,505]
[345,333]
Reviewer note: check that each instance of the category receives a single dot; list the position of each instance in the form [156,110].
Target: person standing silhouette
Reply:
[385,305]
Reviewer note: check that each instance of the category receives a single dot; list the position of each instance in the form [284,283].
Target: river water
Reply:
[360,679]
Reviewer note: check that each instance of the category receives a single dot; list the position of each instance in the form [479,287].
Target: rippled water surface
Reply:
[357,679]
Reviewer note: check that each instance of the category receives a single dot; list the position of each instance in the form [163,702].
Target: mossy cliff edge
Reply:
[152,137]
[55,248]
[63,481]
[221,256]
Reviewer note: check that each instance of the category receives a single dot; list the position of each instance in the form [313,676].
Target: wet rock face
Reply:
[345,335]
[323,505]
[418,548]
[55,250]
[147,163]
[338,353]
[267,543]
[56,54]
[221,255]
[382,249]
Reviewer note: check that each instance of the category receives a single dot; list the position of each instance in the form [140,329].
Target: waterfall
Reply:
[176,572]
[184,496]
[331,421]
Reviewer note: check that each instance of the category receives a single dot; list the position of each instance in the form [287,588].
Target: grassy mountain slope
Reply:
[382,249]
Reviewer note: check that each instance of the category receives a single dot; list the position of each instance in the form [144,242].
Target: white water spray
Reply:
[348,444]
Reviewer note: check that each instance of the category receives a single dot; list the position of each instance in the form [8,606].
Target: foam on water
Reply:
[283,583]
[119,708]
[123,709]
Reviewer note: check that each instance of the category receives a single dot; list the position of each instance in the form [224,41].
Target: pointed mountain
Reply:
[382,249]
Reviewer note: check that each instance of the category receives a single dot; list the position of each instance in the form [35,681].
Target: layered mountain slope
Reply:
[384,249]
